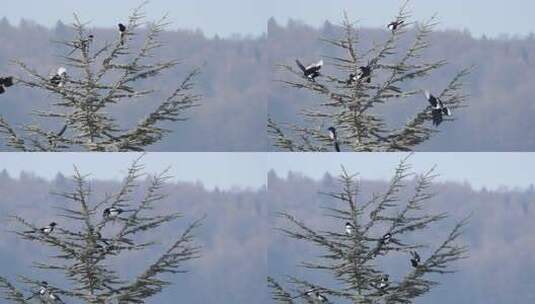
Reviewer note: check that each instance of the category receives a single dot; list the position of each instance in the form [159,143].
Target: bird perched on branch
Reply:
[365,73]
[112,212]
[5,82]
[59,78]
[311,71]
[386,239]
[438,108]
[334,137]
[122,32]
[415,259]
[394,25]
[350,229]
[41,292]
[383,282]
[46,230]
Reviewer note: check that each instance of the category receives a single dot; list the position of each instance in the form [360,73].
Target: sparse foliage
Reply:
[90,233]
[97,76]
[363,80]
[367,233]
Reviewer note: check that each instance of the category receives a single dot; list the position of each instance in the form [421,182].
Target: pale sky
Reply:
[248,170]
[248,17]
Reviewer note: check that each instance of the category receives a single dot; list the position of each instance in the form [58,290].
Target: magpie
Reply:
[6,82]
[352,78]
[383,282]
[415,260]
[321,298]
[46,230]
[112,212]
[439,110]
[365,73]
[312,71]
[122,32]
[43,289]
[394,25]
[350,229]
[334,138]
[386,239]
[60,77]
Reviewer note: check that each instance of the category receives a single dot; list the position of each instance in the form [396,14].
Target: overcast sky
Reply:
[248,170]
[491,17]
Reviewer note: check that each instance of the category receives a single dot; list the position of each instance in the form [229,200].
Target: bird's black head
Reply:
[122,27]
[53,224]
[332,129]
[44,283]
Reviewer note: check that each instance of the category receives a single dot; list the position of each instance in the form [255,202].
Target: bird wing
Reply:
[437,117]
[300,65]
[315,66]
[432,99]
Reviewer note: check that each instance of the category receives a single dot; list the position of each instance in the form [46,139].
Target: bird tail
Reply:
[336,146]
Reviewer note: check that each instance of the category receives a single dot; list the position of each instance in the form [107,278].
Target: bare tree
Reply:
[362,80]
[106,230]
[94,79]
[367,232]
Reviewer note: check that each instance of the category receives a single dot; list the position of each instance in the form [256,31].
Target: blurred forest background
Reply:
[240,246]
[239,87]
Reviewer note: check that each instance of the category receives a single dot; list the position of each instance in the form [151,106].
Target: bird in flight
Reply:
[438,108]
[415,259]
[122,32]
[311,71]
[394,25]
[334,137]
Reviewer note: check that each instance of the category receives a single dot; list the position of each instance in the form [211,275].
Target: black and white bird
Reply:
[112,212]
[41,292]
[334,137]
[48,229]
[59,78]
[321,298]
[394,25]
[5,82]
[122,32]
[415,259]
[311,71]
[386,239]
[365,73]
[351,79]
[350,229]
[383,282]
[438,108]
